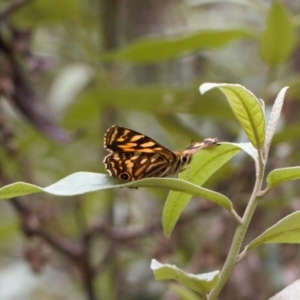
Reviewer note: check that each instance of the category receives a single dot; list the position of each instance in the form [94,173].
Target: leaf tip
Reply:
[206,87]
[284,89]
[168,231]
[155,265]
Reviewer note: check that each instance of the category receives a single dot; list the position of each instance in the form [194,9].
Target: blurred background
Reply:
[71,69]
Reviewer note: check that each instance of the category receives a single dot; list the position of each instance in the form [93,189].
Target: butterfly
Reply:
[134,155]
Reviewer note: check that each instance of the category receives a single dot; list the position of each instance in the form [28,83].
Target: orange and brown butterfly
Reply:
[134,155]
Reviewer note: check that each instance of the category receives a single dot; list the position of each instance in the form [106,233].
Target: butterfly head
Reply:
[186,157]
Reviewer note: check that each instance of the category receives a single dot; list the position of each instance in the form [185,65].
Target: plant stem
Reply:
[240,230]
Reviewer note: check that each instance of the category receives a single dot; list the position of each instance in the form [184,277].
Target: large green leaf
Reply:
[176,202]
[150,50]
[204,164]
[279,176]
[201,283]
[286,230]
[278,39]
[86,182]
[246,107]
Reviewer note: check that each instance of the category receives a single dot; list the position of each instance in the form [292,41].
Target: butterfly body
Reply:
[135,156]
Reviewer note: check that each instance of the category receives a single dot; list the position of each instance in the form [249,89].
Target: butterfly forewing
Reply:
[120,139]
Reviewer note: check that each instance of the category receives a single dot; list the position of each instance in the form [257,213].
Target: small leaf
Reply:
[286,230]
[246,107]
[278,40]
[151,50]
[274,117]
[201,283]
[203,165]
[279,176]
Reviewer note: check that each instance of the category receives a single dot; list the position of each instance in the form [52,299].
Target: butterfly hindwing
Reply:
[136,165]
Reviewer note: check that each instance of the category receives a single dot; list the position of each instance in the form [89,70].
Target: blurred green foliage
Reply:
[96,63]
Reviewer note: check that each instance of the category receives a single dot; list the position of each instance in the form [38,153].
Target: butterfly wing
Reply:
[120,139]
[137,165]
[134,156]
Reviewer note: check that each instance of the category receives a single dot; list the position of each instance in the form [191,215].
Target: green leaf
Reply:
[246,107]
[168,100]
[203,165]
[206,161]
[18,189]
[248,148]
[201,283]
[86,182]
[184,293]
[279,176]
[177,201]
[278,40]
[46,11]
[286,231]
[151,50]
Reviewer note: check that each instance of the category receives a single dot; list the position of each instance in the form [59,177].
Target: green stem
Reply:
[240,231]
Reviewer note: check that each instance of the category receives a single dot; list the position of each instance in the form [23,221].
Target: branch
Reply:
[78,252]
[32,226]
[123,235]
[4,13]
